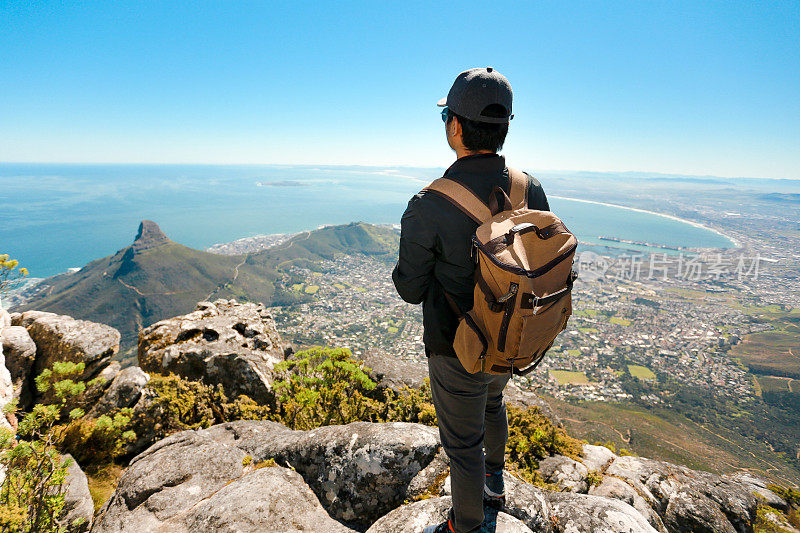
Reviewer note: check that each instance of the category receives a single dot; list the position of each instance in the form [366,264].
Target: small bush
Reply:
[175,404]
[532,437]
[32,495]
[89,440]
[593,478]
[409,405]
[321,387]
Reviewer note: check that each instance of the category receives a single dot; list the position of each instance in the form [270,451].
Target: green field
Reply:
[620,321]
[312,289]
[668,436]
[771,352]
[566,377]
[641,372]
[775,383]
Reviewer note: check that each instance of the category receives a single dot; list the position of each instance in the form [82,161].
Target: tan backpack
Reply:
[523,279]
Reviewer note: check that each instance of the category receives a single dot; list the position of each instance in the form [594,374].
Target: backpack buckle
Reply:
[495,306]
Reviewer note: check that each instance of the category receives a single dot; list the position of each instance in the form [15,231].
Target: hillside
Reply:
[155,278]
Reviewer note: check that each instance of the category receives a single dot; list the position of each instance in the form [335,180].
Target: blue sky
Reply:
[676,87]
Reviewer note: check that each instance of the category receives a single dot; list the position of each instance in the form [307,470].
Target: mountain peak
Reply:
[149,236]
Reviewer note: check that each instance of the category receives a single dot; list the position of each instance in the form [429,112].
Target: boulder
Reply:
[226,343]
[78,502]
[596,458]
[5,319]
[20,352]
[572,513]
[108,374]
[63,338]
[758,486]
[527,503]
[567,474]
[431,480]
[124,391]
[359,471]
[413,517]
[269,499]
[395,373]
[6,391]
[168,479]
[686,498]
[612,487]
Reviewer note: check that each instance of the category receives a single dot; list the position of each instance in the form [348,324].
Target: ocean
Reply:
[58,216]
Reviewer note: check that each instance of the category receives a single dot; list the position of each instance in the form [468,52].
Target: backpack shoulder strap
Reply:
[462,198]
[518,188]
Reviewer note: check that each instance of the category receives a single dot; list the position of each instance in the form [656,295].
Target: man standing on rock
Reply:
[435,259]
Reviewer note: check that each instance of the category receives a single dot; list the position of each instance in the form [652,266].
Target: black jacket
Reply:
[435,247]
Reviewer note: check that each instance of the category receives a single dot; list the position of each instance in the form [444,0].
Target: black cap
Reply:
[476,89]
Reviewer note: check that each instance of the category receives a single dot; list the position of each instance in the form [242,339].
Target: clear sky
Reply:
[677,87]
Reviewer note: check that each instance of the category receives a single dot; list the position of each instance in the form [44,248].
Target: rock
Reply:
[197,481]
[359,471]
[149,236]
[416,516]
[109,373]
[124,391]
[63,338]
[596,458]
[169,478]
[5,319]
[689,498]
[395,373]
[612,487]
[234,345]
[567,474]
[6,391]
[572,513]
[78,502]
[527,503]
[271,499]
[430,480]
[20,352]
[527,399]
[689,511]
[759,486]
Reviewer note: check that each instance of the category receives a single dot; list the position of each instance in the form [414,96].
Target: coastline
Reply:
[733,241]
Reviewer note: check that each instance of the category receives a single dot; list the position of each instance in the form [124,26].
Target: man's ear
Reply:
[455,127]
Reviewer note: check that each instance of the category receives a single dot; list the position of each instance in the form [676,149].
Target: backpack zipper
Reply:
[509,310]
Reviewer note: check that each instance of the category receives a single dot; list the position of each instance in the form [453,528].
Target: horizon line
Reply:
[388,165]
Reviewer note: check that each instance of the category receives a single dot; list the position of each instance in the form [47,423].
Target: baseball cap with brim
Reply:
[476,89]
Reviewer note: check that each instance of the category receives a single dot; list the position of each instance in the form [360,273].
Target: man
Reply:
[434,260]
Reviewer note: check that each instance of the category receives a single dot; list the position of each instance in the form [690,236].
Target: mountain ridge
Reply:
[155,278]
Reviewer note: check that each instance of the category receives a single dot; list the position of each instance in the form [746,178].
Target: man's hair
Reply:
[483,135]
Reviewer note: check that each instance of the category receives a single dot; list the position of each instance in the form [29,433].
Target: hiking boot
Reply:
[494,492]
[444,527]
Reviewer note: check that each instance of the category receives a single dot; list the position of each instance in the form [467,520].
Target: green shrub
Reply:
[532,437]
[323,386]
[89,440]
[408,405]
[593,478]
[32,495]
[176,404]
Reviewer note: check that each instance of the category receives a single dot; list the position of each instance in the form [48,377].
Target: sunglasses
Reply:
[445,114]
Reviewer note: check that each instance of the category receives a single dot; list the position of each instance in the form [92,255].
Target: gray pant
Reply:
[472,417]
